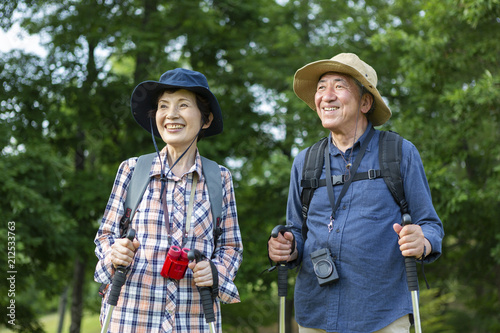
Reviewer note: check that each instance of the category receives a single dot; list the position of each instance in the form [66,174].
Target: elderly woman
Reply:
[174,213]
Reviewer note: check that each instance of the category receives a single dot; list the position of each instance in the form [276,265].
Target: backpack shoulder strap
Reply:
[136,188]
[390,155]
[311,172]
[212,174]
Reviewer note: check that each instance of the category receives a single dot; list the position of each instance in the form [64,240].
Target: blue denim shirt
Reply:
[372,291]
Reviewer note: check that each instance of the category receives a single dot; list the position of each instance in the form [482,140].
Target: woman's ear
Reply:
[209,122]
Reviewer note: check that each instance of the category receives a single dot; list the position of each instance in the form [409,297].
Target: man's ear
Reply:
[366,102]
[209,122]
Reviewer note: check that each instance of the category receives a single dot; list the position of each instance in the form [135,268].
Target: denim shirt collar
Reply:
[334,151]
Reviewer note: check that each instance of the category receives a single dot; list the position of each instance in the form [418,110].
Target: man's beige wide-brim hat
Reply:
[307,77]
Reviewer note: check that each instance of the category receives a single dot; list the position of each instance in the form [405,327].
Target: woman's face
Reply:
[178,118]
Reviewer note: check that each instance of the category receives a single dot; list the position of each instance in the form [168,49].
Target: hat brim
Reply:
[143,100]
[306,80]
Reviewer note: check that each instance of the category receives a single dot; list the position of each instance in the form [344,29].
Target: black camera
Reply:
[324,267]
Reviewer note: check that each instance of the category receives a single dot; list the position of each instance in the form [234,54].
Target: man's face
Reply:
[337,101]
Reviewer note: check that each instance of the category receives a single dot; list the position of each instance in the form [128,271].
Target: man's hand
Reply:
[411,241]
[122,251]
[202,273]
[280,247]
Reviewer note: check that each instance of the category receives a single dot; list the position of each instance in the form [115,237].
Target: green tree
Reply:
[90,127]
[33,173]
[444,92]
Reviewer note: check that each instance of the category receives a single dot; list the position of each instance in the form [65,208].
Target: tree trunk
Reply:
[79,268]
[497,280]
[77,297]
[143,58]
[62,309]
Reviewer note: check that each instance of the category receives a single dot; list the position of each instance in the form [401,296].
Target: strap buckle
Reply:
[338,180]
[305,209]
[312,183]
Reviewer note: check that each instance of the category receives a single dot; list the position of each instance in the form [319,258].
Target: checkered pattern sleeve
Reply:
[229,252]
[109,229]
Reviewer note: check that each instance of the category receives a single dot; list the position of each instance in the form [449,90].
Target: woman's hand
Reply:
[202,273]
[122,251]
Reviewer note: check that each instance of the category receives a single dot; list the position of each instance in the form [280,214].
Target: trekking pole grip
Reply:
[282,268]
[205,293]
[410,263]
[120,276]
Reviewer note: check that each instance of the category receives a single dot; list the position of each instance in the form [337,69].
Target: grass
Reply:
[50,322]
[90,324]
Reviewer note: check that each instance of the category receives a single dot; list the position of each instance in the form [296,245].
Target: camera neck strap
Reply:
[329,185]
[187,224]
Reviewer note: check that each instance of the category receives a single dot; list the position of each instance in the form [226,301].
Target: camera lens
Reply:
[323,268]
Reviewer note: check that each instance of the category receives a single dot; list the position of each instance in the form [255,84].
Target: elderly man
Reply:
[356,230]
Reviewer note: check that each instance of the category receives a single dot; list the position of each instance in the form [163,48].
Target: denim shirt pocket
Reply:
[375,199]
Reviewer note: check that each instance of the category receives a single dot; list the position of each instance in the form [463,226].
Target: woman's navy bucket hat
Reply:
[144,97]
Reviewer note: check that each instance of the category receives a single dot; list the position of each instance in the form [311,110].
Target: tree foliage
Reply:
[447,82]
[66,125]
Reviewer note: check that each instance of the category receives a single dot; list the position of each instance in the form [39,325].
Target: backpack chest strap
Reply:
[340,179]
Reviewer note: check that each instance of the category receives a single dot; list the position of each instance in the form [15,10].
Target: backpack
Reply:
[390,151]
[140,180]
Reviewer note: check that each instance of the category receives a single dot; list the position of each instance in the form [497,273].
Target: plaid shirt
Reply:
[149,302]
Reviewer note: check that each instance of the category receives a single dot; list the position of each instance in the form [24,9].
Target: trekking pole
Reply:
[118,282]
[282,278]
[412,278]
[206,295]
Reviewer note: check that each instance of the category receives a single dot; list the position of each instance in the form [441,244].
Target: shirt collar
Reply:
[334,151]
[156,169]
